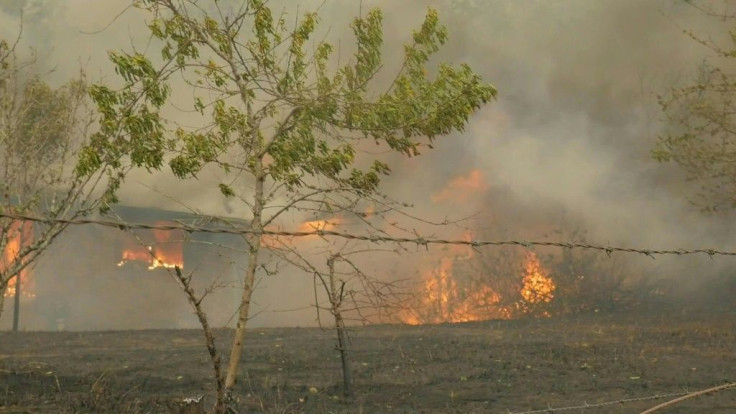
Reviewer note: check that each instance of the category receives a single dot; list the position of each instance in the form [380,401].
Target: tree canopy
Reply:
[278,114]
[700,135]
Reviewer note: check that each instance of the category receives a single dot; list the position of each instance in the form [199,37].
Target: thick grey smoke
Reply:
[567,144]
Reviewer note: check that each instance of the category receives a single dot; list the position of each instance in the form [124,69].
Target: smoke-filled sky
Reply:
[566,145]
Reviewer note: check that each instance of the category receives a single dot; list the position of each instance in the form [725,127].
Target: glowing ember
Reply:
[167,252]
[462,188]
[20,235]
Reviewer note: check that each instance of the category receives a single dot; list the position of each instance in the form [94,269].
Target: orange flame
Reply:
[463,187]
[440,298]
[20,235]
[167,251]
[369,211]
[317,225]
[277,242]
[271,242]
[538,286]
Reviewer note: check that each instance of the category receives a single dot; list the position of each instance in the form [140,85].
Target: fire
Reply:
[278,242]
[442,298]
[369,211]
[538,286]
[315,225]
[463,187]
[271,242]
[167,251]
[20,235]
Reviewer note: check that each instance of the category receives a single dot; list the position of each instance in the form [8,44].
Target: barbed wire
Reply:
[603,404]
[370,238]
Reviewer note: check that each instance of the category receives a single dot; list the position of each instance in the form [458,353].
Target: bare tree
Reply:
[350,295]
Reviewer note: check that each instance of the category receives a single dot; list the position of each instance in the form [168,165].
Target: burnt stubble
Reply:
[491,366]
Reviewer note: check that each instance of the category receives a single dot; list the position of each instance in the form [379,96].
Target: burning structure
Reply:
[166,250]
[20,235]
[96,277]
[103,278]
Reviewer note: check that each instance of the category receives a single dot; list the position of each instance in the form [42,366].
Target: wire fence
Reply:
[243,229]
[422,241]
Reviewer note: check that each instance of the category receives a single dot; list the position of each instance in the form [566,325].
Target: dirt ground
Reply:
[493,366]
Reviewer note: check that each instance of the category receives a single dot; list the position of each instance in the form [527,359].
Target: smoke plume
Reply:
[566,147]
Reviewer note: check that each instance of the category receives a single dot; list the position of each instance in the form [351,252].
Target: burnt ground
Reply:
[494,366]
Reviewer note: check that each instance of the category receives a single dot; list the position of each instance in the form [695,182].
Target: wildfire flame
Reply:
[463,187]
[316,225]
[20,235]
[167,251]
[279,242]
[440,298]
[538,286]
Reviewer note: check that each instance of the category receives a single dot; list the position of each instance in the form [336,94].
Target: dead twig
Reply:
[58,384]
[94,386]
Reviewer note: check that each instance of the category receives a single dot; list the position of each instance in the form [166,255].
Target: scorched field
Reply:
[609,363]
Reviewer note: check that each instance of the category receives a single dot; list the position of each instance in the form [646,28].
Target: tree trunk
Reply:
[237,347]
[254,241]
[195,405]
[336,299]
[342,343]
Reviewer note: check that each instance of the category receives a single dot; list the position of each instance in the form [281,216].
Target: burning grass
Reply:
[444,297]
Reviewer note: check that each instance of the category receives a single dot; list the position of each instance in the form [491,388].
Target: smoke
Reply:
[566,146]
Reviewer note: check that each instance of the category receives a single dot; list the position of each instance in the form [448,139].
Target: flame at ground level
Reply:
[441,300]
[538,286]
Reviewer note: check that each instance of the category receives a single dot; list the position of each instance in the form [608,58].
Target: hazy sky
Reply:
[567,144]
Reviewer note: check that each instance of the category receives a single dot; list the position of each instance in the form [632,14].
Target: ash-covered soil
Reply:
[493,366]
